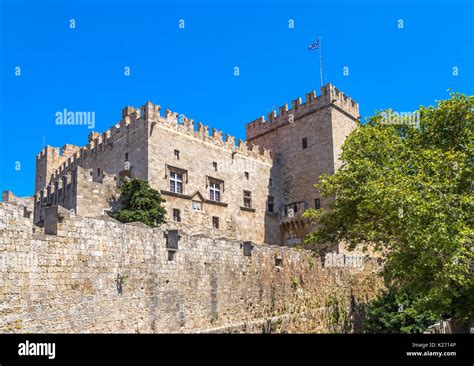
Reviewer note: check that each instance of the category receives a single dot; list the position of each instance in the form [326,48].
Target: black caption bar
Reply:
[412,349]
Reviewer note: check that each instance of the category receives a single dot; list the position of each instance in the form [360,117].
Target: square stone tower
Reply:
[305,143]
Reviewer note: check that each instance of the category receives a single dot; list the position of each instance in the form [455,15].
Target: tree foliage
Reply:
[407,192]
[141,203]
[393,312]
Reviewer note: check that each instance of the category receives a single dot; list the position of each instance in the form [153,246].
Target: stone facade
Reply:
[80,190]
[80,274]
[305,143]
[263,184]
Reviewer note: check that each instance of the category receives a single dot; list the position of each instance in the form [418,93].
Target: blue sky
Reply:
[191,70]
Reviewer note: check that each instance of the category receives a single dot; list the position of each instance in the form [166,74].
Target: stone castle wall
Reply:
[98,275]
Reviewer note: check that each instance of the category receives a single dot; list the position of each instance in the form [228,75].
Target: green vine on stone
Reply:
[120,281]
[294,282]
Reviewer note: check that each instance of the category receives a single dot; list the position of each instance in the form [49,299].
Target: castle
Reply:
[255,190]
[223,262]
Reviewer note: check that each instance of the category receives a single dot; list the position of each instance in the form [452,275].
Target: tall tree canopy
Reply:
[407,191]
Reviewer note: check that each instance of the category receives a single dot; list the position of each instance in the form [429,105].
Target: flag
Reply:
[313,46]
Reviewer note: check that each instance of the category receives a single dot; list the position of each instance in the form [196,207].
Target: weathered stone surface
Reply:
[104,276]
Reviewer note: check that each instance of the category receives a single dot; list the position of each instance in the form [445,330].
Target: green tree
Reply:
[407,192]
[141,203]
[393,312]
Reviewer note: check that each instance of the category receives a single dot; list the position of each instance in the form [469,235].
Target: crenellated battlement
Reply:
[72,155]
[330,95]
[131,118]
[49,160]
[150,114]
[147,116]
[48,150]
[67,166]
[182,124]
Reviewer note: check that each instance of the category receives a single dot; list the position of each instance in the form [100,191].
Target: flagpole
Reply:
[320,61]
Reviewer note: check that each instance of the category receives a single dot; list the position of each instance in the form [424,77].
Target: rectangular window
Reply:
[270,204]
[176,215]
[98,172]
[176,182]
[247,199]
[247,175]
[214,165]
[171,255]
[214,191]
[317,203]
[197,206]
[126,156]
[270,182]
[305,143]
[176,154]
[215,222]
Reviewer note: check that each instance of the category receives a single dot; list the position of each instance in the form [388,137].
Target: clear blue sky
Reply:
[190,70]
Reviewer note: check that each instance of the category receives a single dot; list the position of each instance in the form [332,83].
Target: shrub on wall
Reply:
[140,203]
